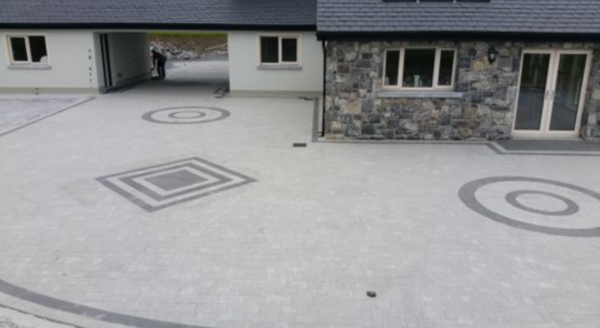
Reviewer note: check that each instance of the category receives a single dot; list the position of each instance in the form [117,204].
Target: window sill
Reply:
[420,94]
[282,67]
[29,66]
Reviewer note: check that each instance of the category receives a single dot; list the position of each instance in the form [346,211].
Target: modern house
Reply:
[94,45]
[461,69]
[387,69]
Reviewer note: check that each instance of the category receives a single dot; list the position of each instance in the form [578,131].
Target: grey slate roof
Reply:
[498,16]
[201,13]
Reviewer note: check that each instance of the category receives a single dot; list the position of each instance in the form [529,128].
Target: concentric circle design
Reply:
[513,199]
[186,115]
[468,196]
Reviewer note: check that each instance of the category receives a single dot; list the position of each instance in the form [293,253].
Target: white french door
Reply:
[551,92]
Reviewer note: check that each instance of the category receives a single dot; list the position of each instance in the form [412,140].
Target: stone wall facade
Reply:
[591,116]
[481,106]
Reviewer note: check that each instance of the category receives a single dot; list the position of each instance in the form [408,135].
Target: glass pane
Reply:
[418,68]
[392,63]
[37,44]
[269,49]
[289,51]
[446,68]
[19,50]
[531,94]
[571,70]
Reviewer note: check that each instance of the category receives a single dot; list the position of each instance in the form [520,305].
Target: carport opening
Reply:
[194,59]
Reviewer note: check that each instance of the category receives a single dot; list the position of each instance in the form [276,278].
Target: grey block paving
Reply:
[16,112]
[10,318]
[301,245]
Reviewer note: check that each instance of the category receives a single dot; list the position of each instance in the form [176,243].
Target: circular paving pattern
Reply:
[513,199]
[569,207]
[186,115]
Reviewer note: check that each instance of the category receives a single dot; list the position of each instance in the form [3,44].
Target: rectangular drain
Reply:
[299,145]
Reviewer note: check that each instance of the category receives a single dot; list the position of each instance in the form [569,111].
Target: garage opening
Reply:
[198,60]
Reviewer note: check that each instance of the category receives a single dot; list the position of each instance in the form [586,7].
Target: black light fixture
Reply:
[492,54]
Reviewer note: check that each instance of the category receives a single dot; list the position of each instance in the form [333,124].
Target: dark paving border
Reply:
[40,317]
[197,115]
[550,145]
[492,145]
[149,116]
[545,148]
[315,129]
[86,311]
[77,103]
[221,92]
[467,195]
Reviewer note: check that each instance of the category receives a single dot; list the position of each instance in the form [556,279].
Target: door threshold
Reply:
[547,137]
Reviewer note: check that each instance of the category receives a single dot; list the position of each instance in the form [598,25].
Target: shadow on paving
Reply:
[210,76]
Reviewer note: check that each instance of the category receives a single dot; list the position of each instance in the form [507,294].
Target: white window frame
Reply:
[436,69]
[11,56]
[280,38]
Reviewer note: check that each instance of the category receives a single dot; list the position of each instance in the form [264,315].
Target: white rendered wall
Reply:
[129,57]
[245,76]
[71,54]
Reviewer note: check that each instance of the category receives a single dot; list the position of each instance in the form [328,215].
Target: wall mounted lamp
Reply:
[492,54]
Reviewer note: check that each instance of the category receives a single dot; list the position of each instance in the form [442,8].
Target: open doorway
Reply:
[194,60]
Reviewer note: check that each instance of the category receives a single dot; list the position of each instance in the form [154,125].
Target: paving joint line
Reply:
[84,311]
[40,316]
[22,126]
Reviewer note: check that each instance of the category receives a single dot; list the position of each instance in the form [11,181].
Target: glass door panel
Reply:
[534,81]
[570,77]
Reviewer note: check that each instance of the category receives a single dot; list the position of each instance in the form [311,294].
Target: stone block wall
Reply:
[591,116]
[481,106]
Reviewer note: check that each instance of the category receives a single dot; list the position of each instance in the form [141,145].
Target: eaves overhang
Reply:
[457,36]
[159,26]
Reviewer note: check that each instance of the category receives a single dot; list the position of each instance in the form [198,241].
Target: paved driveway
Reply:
[18,111]
[111,215]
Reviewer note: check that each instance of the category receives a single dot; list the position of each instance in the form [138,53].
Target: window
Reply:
[28,49]
[279,50]
[420,68]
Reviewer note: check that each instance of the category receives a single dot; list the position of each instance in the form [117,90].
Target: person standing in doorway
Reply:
[158,61]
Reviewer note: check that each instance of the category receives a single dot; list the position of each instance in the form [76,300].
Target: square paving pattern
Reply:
[156,187]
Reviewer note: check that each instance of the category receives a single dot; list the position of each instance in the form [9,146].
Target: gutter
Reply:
[324,45]
[457,36]
[160,26]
